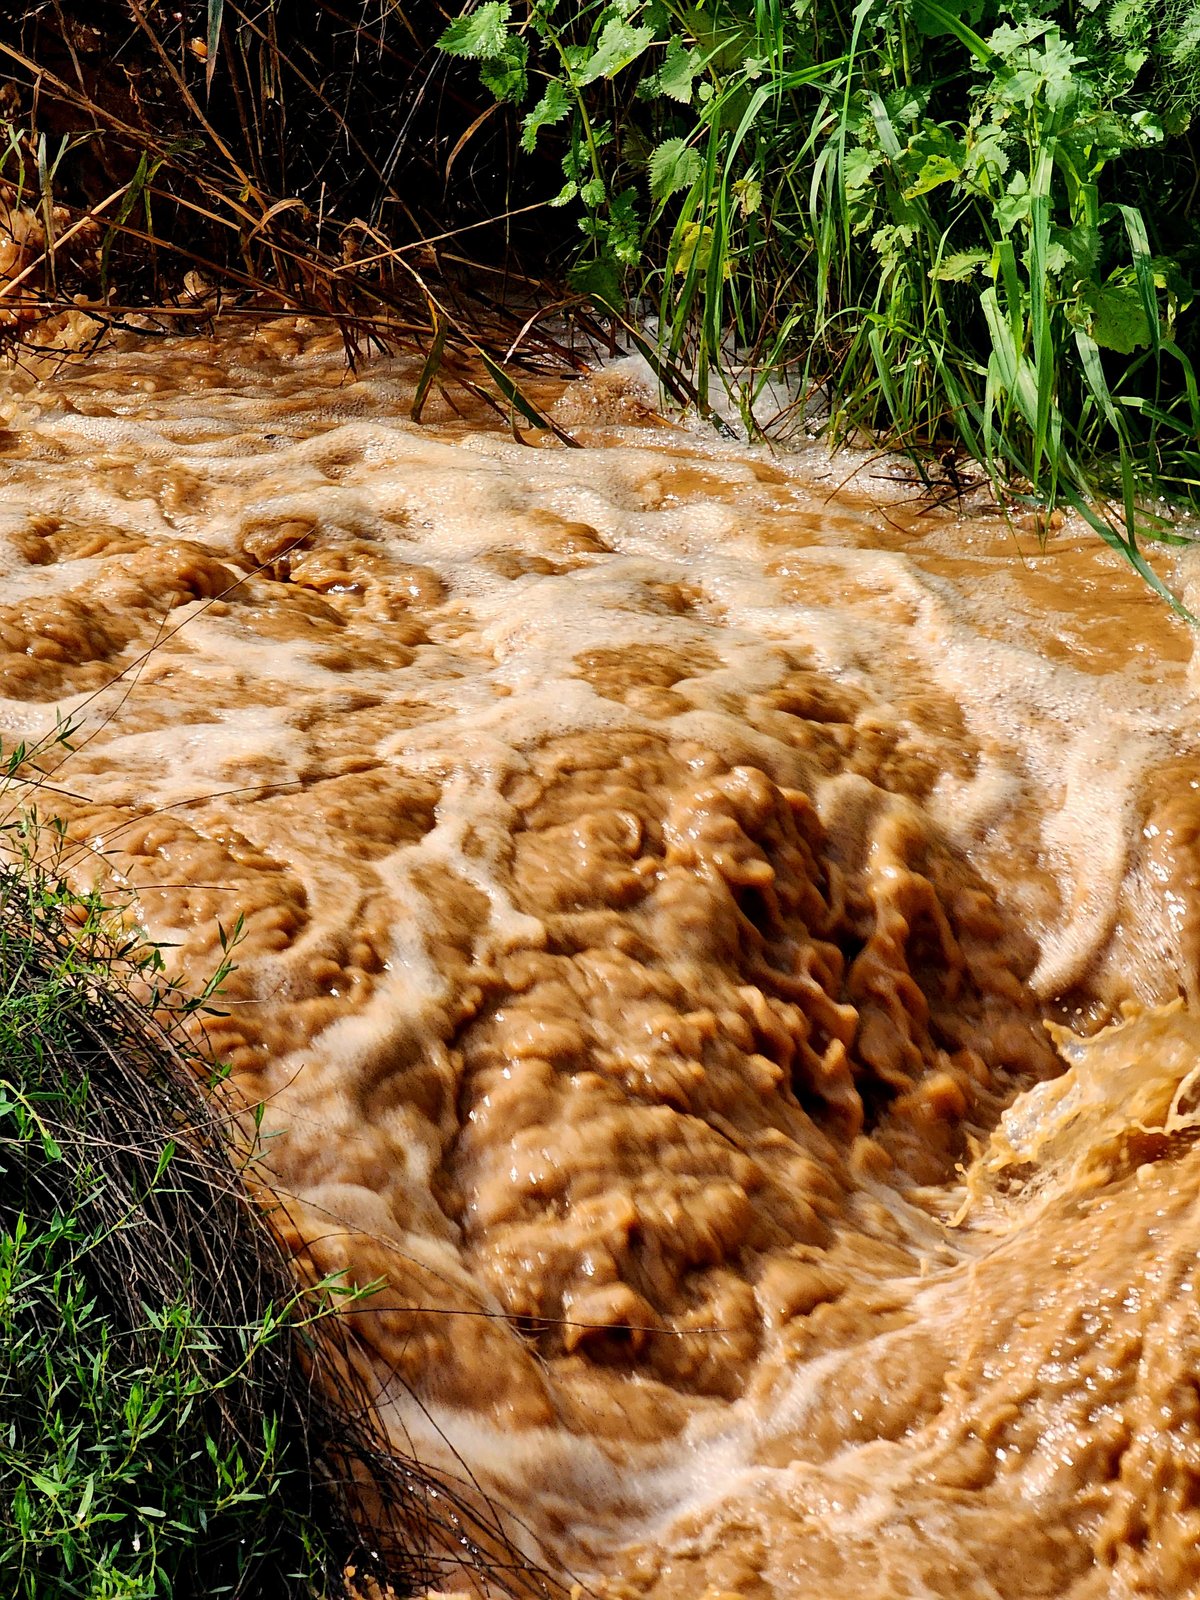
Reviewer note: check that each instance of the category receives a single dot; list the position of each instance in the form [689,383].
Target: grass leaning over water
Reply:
[142,1367]
[178,1412]
[968,224]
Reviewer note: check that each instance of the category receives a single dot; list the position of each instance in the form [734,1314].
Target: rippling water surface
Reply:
[657,863]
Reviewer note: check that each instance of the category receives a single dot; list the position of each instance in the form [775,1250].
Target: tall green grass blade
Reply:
[216,14]
[430,367]
[521,403]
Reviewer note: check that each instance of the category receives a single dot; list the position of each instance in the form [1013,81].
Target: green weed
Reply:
[923,208]
[144,1448]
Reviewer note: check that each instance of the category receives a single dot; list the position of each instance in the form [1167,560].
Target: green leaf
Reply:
[936,171]
[1008,42]
[1147,127]
[554,105]
[959,267]
[600,278]
[505,74]
[479,34]
[674,165]
[749,195]
[620,44]
[907,103]
[679,69]
[1056,258]
[165,1158]
[986,157]
[695,248]
[893,241]
[935,20]
[216,10]
[624,229]
[1014,206]
[520,401]
[1116,317]
[858,166]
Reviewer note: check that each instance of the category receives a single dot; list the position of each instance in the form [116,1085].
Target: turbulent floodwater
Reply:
[657,862]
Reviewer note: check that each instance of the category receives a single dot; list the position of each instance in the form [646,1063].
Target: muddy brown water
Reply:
[658,863]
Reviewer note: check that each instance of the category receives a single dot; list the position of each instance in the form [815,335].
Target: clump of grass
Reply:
[966,223]
[142,1370]
[179,1411]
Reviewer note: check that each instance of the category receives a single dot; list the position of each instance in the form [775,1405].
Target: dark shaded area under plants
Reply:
[315,157]
[339,110]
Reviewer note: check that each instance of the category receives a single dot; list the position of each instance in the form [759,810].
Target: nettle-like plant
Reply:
[924,206]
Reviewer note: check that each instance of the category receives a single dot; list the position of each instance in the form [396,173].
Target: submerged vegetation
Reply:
[946,224]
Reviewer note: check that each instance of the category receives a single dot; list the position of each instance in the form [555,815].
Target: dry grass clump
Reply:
[176,163]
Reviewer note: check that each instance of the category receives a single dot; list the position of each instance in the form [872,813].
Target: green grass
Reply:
[961,225]
[967,224]
[148,1382]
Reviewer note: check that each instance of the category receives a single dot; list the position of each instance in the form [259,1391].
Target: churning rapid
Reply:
[659,862]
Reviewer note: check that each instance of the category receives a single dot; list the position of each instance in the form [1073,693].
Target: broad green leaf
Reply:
[858,166]
[620,44]
[679,69]
[1116,318]
[479,34]
[986,157]
[936,171]
[1014,205]
[600,278]
[695,247]
[906,104]
[749,195]
[505,74]
[554,105]
[1057,258]
[674,165]
[959,267]
[1009,42]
